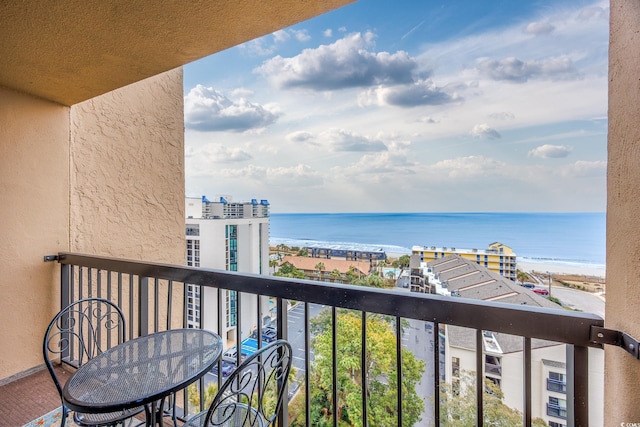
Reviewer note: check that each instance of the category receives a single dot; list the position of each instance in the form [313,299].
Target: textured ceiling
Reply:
[68,51]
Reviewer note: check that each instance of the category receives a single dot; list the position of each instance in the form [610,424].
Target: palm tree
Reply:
[335,273]
[521,276]
[320,268]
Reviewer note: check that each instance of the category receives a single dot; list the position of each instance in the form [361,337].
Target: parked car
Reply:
[541,291]
[269,334]
[230,355]
[529,285]
[227,368]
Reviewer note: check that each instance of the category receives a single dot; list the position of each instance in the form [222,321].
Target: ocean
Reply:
[574,239]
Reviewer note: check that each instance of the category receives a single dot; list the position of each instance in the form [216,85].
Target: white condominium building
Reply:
[227,236]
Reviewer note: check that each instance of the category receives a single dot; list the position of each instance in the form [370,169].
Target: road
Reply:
[581,300]
[574,298]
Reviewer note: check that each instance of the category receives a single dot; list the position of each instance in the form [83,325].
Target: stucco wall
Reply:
[34,218]
[622,371]
[127,172]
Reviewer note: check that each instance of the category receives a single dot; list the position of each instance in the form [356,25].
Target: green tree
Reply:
[303,252]
[521,276]
[353,274]
[320,266]
[335,273]
[380,371]
[403,261]
[273,263]
[288,270]
[193,396]
[458,405]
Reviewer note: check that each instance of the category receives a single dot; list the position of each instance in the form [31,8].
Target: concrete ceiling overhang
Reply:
[68,51]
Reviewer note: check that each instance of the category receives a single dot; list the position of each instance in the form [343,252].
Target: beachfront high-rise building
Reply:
[497,257]
[228,236]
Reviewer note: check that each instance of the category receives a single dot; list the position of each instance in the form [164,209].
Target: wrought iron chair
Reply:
[78,333]
[253,393]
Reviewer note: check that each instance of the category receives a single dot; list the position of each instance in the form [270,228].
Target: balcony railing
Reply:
[556,411]
[154,295]
[557,386]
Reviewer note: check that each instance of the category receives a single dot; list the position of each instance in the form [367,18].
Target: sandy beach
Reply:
[561,269]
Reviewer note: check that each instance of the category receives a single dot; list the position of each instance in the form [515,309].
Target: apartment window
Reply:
[557,382]
[492,365]
[455,366]
[232,309]
[193,230]
[555,424]
[557,407]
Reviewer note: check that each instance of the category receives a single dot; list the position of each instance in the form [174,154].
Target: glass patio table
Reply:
[142,371]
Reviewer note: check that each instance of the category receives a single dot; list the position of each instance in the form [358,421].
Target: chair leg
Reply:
[65,412]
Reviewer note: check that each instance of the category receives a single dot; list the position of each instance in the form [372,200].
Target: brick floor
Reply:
[32,396]
[29,397]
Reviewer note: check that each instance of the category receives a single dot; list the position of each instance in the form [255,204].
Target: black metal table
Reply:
[142,371]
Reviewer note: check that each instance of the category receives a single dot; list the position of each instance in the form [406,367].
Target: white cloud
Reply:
[503,115]
[206,109]
[515,70]
[423,92]
[388,162]
[218,153]
[300,136]
[301,35]
[548,151]
[281,36]
[346,63]
[300,175]
[483,130]
[539,28]
[427,119]
[328,32]
[343,140]
[593,12]
[584,168]
[469,167]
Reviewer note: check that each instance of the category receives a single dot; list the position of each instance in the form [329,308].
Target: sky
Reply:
[408,106]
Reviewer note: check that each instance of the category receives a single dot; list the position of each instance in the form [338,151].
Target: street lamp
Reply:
[549,274]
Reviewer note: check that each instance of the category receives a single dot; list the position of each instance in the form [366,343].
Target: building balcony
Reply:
[153,297]
[557,386]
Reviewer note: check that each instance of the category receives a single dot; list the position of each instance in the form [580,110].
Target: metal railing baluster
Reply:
[399,367]
[363,370]
[436,372]
[526,360]
[479,379]
[334,366]
[307,365]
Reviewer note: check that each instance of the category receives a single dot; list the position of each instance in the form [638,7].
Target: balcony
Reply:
[557,386]
[556,411]
[153,297]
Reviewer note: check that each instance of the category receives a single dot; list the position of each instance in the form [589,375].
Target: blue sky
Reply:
[408,106]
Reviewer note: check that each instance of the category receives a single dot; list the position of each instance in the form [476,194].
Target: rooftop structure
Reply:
[225,207]
[497,257]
